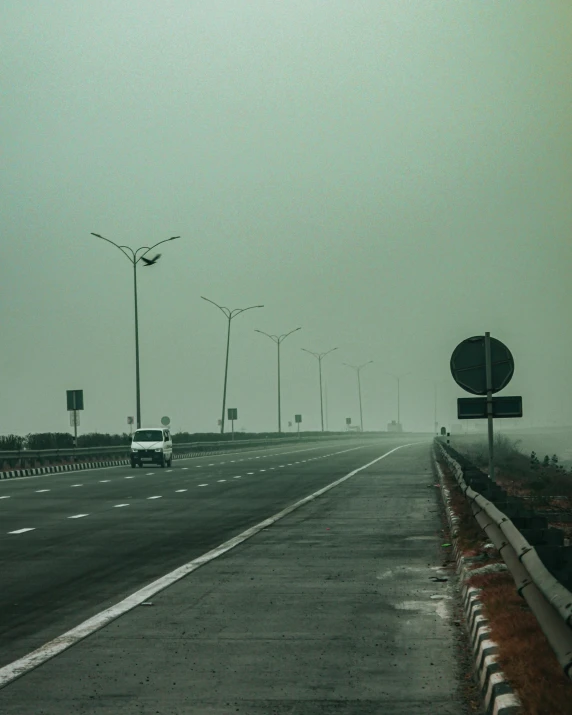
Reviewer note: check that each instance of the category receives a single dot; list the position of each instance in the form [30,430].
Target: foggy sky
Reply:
[393,177]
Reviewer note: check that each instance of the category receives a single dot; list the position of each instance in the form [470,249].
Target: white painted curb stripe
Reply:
[28,662]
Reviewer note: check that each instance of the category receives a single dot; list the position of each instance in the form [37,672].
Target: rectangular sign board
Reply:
[298,418]
[74,399]
[232,413]
[474,408]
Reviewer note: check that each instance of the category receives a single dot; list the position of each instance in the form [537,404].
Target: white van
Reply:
[152,445]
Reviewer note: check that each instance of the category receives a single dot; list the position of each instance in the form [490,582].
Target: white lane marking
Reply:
[6,497]
[129,477]
[28,662]
[211,465]
[101,481]
[262,470]
[222,462]
[280,465]
[77,516]
[250,472]
[149,474]
[18,531]
[184,468]
[122,466]
[116,506]
[77,485]
[232,460]
[159,497]
[236,477]
[198,466]
[221,480]
[39,491]
[180,490]
[203,485]
[169,470]
[272,467]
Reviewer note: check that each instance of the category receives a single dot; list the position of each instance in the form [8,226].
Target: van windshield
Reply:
[148,435]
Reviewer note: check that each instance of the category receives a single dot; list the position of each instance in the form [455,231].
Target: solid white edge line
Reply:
[39,656]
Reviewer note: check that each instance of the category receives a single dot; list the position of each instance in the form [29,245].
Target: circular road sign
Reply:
[165,421]
[469,370]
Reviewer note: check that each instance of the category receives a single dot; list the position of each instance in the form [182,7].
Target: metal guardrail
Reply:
[548,599]
[72,452]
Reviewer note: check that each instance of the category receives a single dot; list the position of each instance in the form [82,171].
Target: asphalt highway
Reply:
[72,544]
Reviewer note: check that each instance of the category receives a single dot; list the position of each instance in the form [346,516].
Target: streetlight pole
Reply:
[278,339]
[319,357]
[229,314]
[397,377]
[134,257]
[358,369]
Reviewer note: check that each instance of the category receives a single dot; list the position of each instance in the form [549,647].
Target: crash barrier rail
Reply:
[73,454]
[548,599]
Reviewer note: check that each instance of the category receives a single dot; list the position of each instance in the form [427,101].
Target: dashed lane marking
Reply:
[158,497]
[116,506]
[180,490]
[77,516]
[22,531]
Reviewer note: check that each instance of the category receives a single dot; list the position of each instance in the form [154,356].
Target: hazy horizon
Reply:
[391,177]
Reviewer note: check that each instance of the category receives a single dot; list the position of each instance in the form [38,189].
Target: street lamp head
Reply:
[96,234]
[173,238]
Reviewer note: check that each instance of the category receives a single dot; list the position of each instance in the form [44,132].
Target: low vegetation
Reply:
[525,655]
[65,440]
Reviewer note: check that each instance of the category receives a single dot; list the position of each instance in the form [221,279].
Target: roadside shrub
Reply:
[12,442]
[49,440]
[96,439]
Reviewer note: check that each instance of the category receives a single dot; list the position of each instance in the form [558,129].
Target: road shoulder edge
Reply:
[498,696]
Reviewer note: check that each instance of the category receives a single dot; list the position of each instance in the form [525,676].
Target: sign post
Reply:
[232,416]
[298,419]
[489,378]
[483,365]
[74,404]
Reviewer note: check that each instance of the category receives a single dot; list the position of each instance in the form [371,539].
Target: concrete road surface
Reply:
[331,609]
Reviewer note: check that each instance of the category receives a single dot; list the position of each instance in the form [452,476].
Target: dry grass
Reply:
[525,656]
